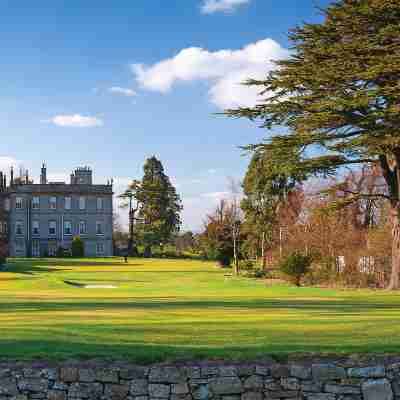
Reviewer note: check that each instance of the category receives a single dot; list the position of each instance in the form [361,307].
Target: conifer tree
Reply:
[336,100]
[160,206]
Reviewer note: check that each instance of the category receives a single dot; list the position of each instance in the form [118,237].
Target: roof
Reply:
[61,188]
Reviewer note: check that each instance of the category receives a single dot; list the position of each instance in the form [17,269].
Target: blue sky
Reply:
[109,83]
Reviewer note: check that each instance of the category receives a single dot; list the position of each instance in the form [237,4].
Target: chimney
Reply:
[12,176]
[43,175]
[26,177]
[5,182]
[72,179]
[1,182]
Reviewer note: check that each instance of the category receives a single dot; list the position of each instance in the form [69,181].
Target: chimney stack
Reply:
[12,176]
[43,175]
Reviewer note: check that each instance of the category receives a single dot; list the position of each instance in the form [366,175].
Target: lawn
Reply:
[169,309]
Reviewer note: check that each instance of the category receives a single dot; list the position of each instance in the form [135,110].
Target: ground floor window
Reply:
[35,248]
[20,247]
[99,248]
[52,248]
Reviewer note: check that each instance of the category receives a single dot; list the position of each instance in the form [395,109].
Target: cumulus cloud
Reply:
[213,6]
[225,70]
[76,121]
[122,91]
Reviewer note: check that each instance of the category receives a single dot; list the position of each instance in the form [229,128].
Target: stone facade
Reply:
[41,218]
[344,380]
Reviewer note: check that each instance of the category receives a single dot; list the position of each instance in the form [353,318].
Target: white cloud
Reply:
[225,70]
[7,162]
[122,91]
[217,196]
[76,121]
[213,6]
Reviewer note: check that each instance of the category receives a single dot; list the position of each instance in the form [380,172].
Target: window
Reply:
[99,203]
[82,203]
[1,227]
[99,248]
[35,228]
[67,228]
[19,228]
[35,203]
[18,202]
[7,205]
[52,248]
[53,203]
[35,248]
[82,227]
[52,227]
[99,228]
[68,203]
[5,226]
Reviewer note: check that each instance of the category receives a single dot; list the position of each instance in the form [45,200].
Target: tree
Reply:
[336,100]
[77,247]
[296,265]
[217,239]
[268,192]
[159,206]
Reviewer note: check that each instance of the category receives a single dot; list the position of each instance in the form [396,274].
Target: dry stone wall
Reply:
[310,380]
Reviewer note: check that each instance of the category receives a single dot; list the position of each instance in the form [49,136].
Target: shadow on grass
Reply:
[144,353]
[172,303]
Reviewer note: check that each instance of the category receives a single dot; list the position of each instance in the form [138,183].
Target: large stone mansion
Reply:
[38,219]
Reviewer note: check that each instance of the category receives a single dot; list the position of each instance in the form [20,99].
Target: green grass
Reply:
[167,309]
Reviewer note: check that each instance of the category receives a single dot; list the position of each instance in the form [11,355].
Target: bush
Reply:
[78,247]
[3,260]
[295,266]
[246,265]
[60,252]
[224,260]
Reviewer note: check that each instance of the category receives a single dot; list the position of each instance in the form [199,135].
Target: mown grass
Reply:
[167,310]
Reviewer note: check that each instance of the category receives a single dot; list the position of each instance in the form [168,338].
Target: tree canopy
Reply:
[336,100]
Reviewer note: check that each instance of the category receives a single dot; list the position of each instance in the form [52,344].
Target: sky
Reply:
[110,83]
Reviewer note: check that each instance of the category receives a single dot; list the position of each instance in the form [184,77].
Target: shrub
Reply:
[295,266]
[246,265]
[3,260]
[224,259]
[78,247]
[60,252]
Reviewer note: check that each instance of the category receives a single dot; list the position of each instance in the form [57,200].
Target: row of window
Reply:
[51,248]
[52,228]
[19,203]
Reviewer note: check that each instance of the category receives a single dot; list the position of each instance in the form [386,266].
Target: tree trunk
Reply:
[395,275]
[263,253]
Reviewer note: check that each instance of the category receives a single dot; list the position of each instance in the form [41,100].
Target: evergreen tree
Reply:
[339,96]
[267,190]
[160,206]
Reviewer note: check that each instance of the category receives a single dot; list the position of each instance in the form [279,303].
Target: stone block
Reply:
[179,388]
[107,375]
[226,385]
[227,371]
[254,383]
[367,372]
[8,386]
[139,387]
[379,389]
[116,392]
[135,372]
[300,372]
[290,383]
[159,391]
[320,396]
[342,389]
[165,375]
[327,372]
[85,390]
[200,392]
[87,375]
[56,395]
[33,385]
[69,374]
[280,371]
[252,396]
